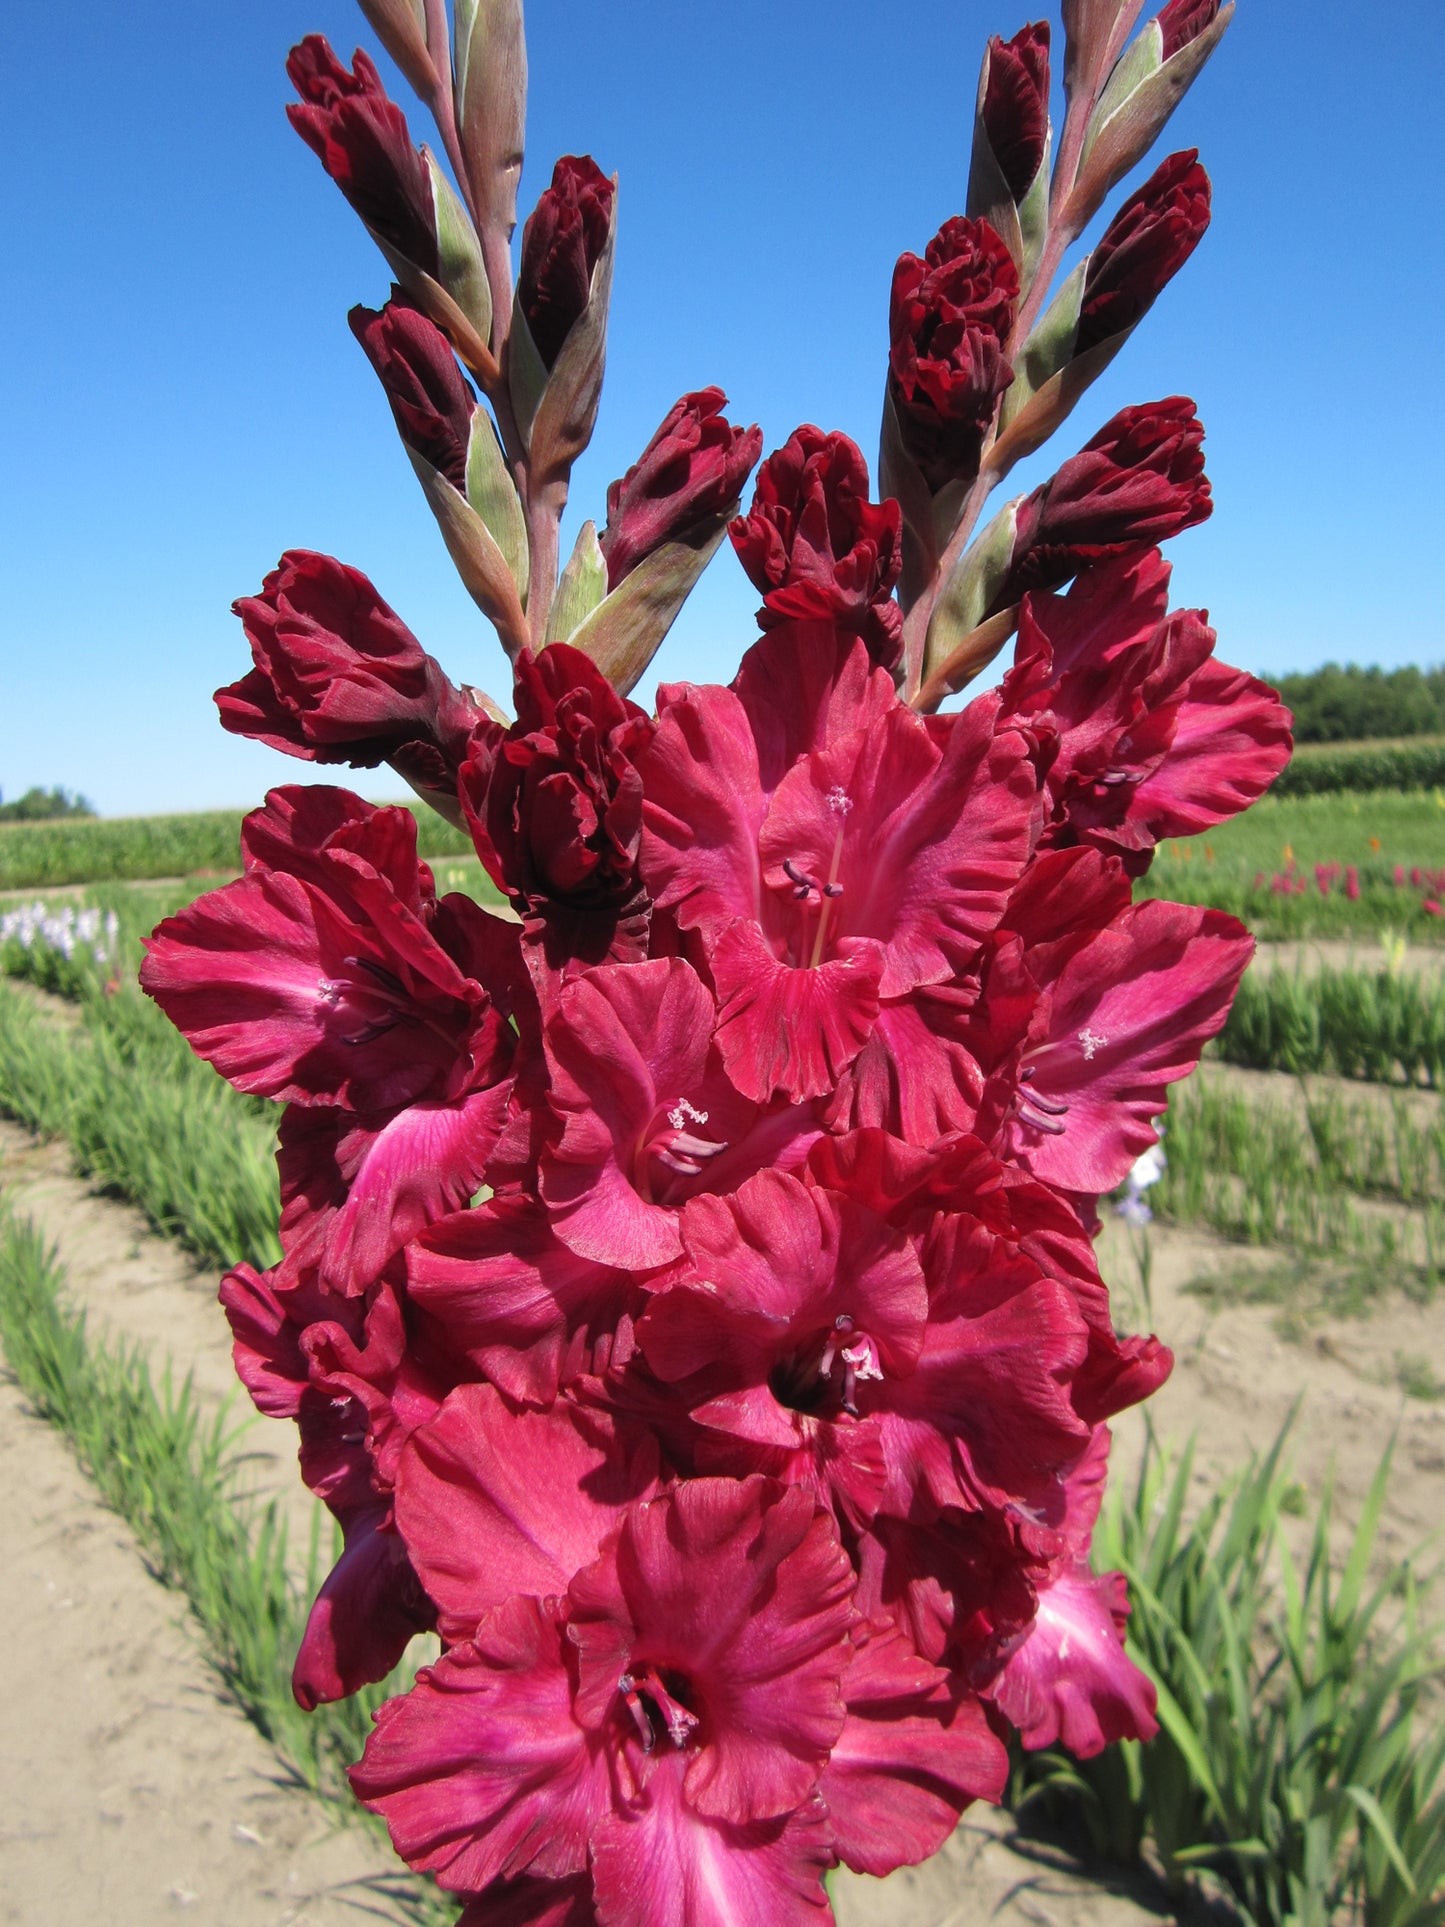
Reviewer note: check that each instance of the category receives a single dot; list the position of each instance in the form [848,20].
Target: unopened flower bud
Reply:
[430,397]
[1139,481]
[1182,21]
[1016,105]
[816,547]
[561,245]
[693,468]
[950,317]
[339,678]
[362,141]
[1144,246]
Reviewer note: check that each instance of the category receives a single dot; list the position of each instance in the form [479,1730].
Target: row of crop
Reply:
[1295,1758]
[47,855]
[1385,1025]
[1326,1175]
[146,1119]
[1401,766]
[1374,905]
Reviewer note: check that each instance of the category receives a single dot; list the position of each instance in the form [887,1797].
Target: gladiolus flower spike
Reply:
[688,1305]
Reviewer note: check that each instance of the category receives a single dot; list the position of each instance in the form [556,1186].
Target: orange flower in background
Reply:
[1375,845]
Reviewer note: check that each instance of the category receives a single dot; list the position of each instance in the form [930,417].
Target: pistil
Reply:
[840,803]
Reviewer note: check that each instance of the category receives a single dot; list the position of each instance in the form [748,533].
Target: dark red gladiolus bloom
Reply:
[1142,735]
[652,1686]
[430,397]
[1184,20]
[361,138]
[834,858]
[1069,1679]
[817,548]
[555,806]
[687,1300]
[1139,481]
[561,245]
[371,1604]
[339,678]
[950,319]
[1143,248]
[329,974]
[693,468]
[1016,104]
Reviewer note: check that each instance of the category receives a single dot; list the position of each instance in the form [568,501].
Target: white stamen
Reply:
[839,801]
[1091,1041]
[682,1114]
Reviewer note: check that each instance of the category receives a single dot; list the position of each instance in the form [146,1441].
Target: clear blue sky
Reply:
[183,399]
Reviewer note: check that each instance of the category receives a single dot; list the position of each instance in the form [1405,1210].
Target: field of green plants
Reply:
[1350,865]
[138,848]
[1300,1767]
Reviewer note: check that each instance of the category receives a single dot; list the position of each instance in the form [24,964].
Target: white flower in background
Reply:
[63,931]
[1146,1172]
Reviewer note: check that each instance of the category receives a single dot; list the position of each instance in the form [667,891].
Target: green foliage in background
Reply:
[1380,1024]
[1375,831]
[44,806]
[146,1119]
[44,855]
[1265,1171]
[1295,1758]
[1340,704]
[1395,766]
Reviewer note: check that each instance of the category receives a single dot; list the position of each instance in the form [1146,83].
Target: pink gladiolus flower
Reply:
[561,245]
[660,1685]
[648,1115]
[834,853]
[339,678]
[555,809]
[693,469]
[1148,736]
[950,316]
[330,973]
[1102,1021]
[687,1301]
[1015,106]
[361,139]
[1069,1679]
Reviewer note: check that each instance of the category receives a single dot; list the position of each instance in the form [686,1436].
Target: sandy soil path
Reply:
[129,1791]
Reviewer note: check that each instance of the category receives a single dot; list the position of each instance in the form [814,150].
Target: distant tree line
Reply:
[43,806]
[1346,704]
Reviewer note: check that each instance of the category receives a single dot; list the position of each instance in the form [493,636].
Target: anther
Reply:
[799,878]
[627,1687]
[1053,1106]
